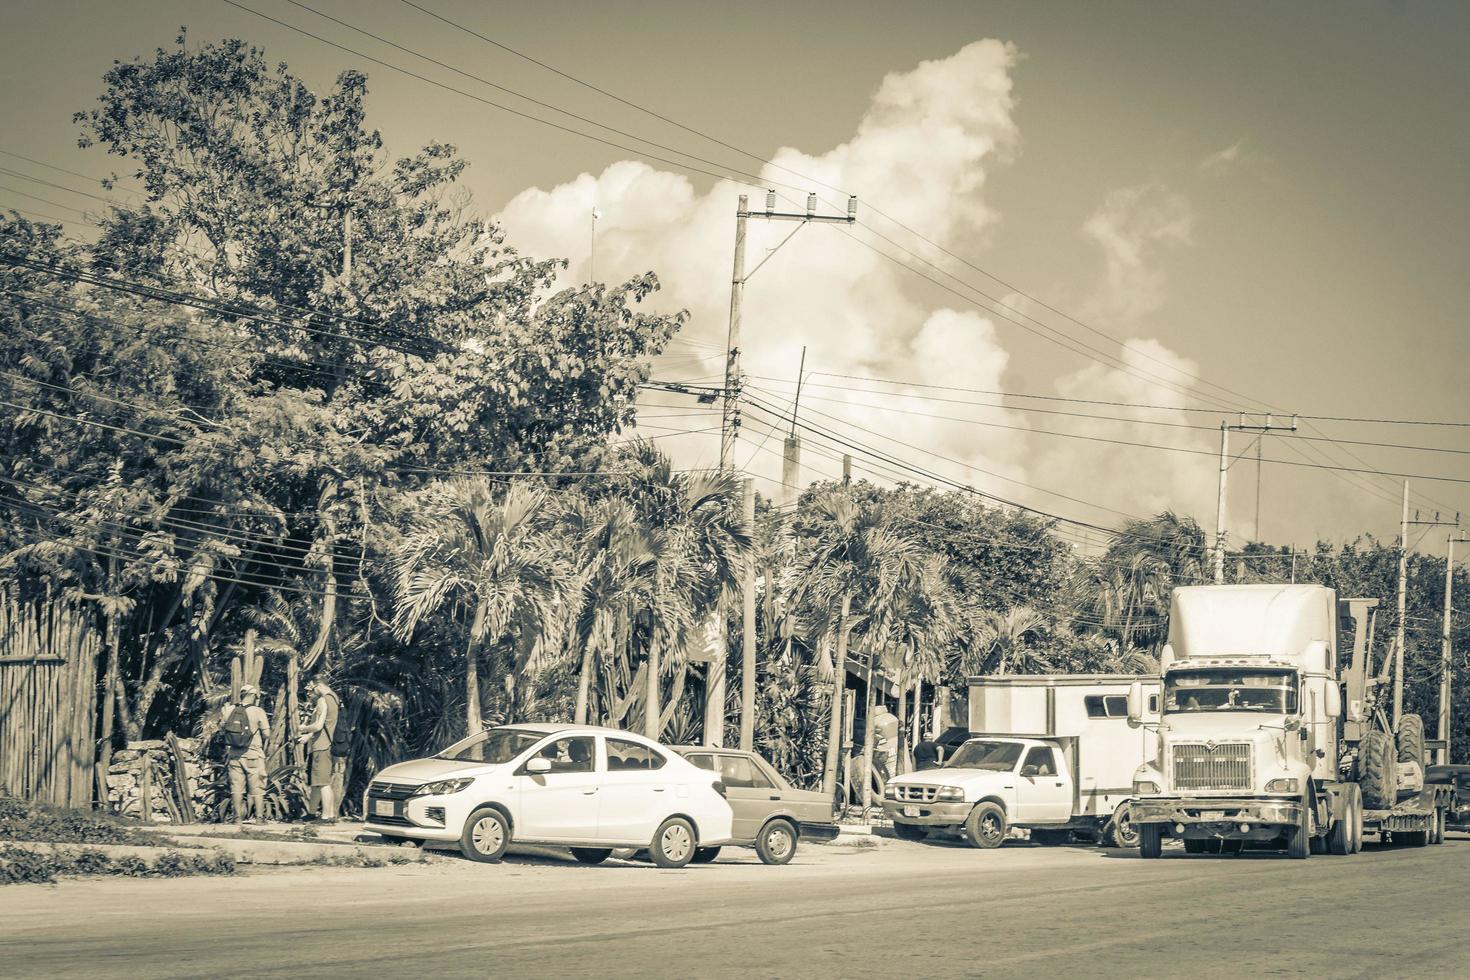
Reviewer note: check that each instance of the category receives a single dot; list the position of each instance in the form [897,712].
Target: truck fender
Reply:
[998,801]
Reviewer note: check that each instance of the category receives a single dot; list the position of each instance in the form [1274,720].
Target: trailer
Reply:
[1050,754]
[1263,742]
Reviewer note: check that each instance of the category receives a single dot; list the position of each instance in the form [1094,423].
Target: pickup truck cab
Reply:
[990,785]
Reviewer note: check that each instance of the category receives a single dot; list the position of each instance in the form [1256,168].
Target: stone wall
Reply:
[125,780]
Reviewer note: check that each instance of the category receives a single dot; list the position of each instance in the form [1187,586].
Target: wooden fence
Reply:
[48,700]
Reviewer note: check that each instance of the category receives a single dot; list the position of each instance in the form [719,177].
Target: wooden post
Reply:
[293,715]
[145,787]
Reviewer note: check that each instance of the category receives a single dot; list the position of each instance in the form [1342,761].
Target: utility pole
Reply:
[1225,461]
[592,252]
[346,246]
[747,633]
[1400,638]
[1446,662]
[730,423]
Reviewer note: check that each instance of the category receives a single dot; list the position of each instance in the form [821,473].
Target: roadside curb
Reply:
[247,851]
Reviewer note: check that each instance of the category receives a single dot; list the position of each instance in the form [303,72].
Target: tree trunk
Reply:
[901,750]
[109,695]
[329,599]
[584,679]
[650,707]
[868,702]
[675,693]
[839,681]
[472,673]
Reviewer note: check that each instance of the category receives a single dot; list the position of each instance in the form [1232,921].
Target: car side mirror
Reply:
[1030,770]
[538,766]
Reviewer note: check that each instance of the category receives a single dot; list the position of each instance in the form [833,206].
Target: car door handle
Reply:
[658,789]
[589,792]
[1059,784]
[775,796]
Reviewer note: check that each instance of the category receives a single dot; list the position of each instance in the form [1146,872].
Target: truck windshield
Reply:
[1272,692]
[984,754]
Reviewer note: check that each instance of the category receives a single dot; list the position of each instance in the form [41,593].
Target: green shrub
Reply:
[18,865]
[22,820]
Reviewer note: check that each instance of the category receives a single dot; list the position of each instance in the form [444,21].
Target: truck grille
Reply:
[1199,766]
[916,794]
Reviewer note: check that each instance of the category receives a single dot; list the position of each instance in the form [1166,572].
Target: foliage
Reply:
[20,865]
[23,820]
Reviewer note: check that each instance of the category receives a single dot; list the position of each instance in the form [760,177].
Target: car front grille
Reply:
[391,791]
[389,821]
[916,794]
[1202,766]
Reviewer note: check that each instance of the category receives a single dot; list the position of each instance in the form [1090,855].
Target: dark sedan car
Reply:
[770,815]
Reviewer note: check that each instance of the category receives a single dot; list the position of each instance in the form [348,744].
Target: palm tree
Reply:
[1001,642]
[1127,589]
[497,560]
[853,560]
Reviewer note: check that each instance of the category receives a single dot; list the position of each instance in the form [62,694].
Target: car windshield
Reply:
[1268,691]
[496,746]
[984,754]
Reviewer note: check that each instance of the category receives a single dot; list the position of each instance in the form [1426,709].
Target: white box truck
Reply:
[1263,742]
[1052,753]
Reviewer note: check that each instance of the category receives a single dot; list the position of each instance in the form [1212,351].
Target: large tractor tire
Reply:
[1378,771]
[1411,739]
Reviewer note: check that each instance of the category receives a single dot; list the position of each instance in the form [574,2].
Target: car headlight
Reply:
[1144,787]
[890,792]
[443,787]
[1283,785]
[950,794]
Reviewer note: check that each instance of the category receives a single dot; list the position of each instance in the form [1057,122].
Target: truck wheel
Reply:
[1048,836]
[986,826]
[486,836]
[1411,739]
[909,831]
[776,843]
[1340,837]
[1377,770]
[1150,840]
[1121,831]
[1299,838]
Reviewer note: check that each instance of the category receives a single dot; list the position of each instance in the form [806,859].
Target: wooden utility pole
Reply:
[747,632]
[1225,461]
[1446,662]
[730,417]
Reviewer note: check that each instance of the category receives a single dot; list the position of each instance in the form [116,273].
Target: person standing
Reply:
[317,735]
[246,728]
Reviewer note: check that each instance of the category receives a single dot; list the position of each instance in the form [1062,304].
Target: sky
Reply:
[1265,197]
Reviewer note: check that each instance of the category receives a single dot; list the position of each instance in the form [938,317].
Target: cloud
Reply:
[923,151]
[1223,161]
[1130,228]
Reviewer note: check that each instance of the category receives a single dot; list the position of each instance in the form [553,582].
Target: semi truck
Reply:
[1264,742]
[1051,754]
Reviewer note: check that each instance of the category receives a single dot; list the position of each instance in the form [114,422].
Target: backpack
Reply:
[238,732]
[341,738]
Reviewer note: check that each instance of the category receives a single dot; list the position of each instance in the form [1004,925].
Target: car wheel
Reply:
[704,855]
[986,826]
[591,855]
[673,843]
[486,836]
[776,843]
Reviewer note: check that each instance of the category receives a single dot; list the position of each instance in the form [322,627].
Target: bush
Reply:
[21,820]
[21,864]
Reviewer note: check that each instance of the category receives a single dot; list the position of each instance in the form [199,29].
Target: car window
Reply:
[1041,758]
[623,756]
[495,746]
[736,771]
[572,754]
[702,760]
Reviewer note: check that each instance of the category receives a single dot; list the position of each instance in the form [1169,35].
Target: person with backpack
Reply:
[246,729]
[320,735]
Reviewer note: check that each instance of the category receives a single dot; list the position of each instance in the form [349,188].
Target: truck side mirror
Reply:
[1030,770]
[1135,702]
[1333,705]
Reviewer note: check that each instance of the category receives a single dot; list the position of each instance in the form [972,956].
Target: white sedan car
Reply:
[586,788]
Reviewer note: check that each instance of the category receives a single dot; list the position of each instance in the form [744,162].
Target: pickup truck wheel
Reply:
[909,831]
[486,836]
[985,827]
[1150,840]
[673,843]
[1121,831]
[776,843]
[704,855]
[1299,838]
[591,855]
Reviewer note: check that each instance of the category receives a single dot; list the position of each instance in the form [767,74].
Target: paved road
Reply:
[898,909]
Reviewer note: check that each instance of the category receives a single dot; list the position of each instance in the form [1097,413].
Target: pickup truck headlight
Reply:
[890,792]
[950,794]
[1145,787]
[443,787]
[1283,786]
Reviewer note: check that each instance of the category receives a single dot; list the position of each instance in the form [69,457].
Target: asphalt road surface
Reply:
[897,909]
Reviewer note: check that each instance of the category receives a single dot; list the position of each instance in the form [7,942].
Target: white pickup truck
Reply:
[1053,753]
[988,786]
